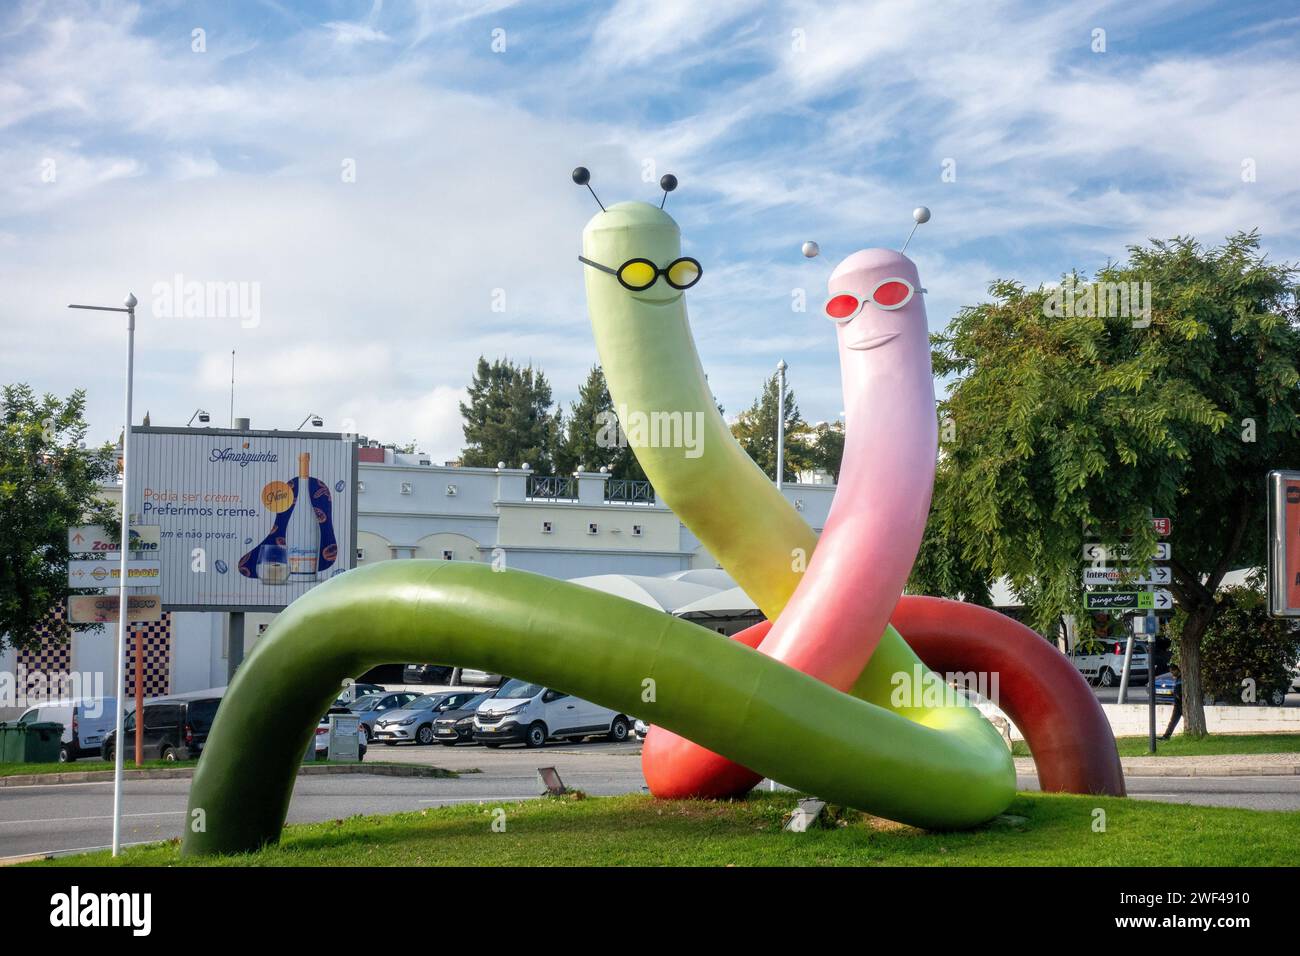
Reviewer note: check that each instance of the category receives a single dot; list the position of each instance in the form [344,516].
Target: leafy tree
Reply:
[1242,643]
[509,418]
[825,442]
[755,430]
[48,483]
[1068,420]
[593,436]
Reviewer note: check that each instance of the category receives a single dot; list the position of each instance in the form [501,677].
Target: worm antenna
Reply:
[668,182]
[582,176]
[919,215]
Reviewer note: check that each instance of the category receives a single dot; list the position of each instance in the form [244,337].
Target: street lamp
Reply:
[201,415]
[780,423]
[316,421]
[129,303]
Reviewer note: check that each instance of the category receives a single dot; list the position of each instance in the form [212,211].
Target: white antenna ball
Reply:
[921,214]
[811,249]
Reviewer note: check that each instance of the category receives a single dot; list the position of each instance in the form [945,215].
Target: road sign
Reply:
[93,539]
[107,574]
[1157,601]
[1101,554]
[102,608]
[1159,574]
[1163,526]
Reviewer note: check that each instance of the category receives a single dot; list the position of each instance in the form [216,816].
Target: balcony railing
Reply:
[628,491]
[552,487]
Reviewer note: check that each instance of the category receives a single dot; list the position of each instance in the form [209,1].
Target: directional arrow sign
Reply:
[1118,600]
[107,574]
[1100,553]
[1159,574]
[1129,601]
[93,539]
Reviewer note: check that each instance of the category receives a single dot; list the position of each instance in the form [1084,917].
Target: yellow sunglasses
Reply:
[637,275]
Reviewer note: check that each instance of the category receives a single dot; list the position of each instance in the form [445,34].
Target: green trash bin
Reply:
[38,742]
[9,743]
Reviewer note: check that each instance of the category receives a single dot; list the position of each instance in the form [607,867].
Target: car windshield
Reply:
[427,702]
[518,688]
[366,703]
[473,702]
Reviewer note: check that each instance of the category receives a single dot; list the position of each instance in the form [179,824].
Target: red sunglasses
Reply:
[888,294]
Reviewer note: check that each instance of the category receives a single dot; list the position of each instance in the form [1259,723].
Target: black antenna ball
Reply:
[668,183]
[581,175]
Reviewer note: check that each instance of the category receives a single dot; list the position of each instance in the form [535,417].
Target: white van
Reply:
[1105,663]
[520,712]
[85,721]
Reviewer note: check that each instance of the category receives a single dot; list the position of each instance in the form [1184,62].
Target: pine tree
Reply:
[755,430]
[509,418]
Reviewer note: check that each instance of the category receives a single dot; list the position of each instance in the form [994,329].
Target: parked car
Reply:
[323,735]
[85,721]
[427,674]
[414,722]
[354,692]
[373,706]
[640,729]
[1165,687]
[521,712]
[456,726]
[1105,663]
[474,678]
[175,727]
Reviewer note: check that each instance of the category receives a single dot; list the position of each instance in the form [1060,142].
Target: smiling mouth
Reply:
[669,301]
[873,343]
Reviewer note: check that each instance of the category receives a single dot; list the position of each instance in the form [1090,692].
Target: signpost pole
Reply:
[1152,627]
[1128,663]
[780,424]
[235,648]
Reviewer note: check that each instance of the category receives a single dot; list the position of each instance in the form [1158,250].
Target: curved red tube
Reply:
[1046,698]
[1064,726]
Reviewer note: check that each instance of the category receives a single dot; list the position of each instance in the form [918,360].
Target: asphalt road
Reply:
[70,817]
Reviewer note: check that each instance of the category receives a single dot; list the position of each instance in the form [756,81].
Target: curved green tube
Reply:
[733,700]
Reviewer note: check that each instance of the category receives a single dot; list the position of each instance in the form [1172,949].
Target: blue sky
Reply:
[128,158]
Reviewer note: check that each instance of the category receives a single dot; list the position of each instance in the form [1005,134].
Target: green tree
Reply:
[755,430]
[509,418]
[593,437]
[825,442]
[48,483]
[1068,420]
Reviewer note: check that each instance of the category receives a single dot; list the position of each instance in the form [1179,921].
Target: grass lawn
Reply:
[1184,746]
[93,765]
[637,830]
[103,766]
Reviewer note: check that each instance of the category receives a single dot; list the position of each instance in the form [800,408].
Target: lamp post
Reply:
[780,423]
[122,594]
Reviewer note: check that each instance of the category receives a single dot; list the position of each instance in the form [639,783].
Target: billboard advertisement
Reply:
[1284,543]
[247,520]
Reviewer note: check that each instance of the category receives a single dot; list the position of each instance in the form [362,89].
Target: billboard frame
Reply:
[1278,572]
[263,433]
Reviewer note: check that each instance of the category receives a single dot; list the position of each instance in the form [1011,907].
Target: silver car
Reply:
[413,723]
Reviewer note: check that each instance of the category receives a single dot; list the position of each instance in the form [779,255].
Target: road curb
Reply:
[307,770]
[1199,770]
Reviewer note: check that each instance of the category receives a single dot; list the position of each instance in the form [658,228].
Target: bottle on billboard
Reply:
[303,533]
